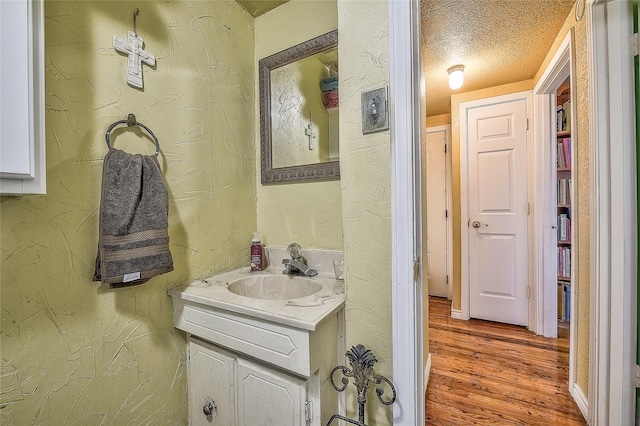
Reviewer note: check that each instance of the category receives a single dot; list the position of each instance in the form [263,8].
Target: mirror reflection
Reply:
[299,112]
[304,111]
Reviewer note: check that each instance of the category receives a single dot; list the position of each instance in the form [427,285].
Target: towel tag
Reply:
[131,277]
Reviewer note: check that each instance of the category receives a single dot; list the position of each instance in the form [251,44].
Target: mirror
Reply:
[299,112]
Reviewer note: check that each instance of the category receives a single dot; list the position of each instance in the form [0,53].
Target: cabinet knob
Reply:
[209,408]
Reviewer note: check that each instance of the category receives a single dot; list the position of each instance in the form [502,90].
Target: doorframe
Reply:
[606,338]
[406,218]
[448,201]
[464,195]
[562,65]
[613,210]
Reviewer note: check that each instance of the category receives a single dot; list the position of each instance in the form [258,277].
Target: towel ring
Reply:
[131,121]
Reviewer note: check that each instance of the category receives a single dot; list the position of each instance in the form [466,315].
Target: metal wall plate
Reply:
[375,115]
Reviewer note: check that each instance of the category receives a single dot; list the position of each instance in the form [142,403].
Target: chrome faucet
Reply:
[296,265]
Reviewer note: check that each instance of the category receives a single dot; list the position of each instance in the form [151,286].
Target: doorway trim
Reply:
[613,310]
[464,194]
[406,216]
[562,65]
[605,338]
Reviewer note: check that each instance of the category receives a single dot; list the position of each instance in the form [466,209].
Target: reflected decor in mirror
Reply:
[299,112]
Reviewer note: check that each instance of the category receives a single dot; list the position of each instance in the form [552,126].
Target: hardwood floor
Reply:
[485,373]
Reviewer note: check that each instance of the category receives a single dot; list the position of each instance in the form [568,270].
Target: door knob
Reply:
[209,408]
[475,224]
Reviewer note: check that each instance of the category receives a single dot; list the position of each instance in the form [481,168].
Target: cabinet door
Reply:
[211,379]
[23,167]
[268,397]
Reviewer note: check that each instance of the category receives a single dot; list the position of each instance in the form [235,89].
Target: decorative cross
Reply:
[310,133]
[137,55]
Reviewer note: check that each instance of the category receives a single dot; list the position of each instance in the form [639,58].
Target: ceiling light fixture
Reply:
[456,76]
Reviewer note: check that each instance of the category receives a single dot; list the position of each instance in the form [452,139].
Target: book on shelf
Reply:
[560,156]
[566,109]
[564,301]
[559,189]
[564,153]
[564,227]
[560,262]
[563,189]
[566,147]
[564,262]
[561,302]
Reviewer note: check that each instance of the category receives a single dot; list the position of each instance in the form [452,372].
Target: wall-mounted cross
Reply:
[137,55]
[311,134]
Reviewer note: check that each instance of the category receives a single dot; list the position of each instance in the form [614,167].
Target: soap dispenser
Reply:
[256,253]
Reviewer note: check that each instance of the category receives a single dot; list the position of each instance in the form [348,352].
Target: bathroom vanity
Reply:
[261,346]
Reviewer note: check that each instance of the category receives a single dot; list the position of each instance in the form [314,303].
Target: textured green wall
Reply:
[354,213]
[73,351]
[307,212]
[365,166]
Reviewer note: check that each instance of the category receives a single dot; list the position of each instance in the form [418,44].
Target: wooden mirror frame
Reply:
[329,170]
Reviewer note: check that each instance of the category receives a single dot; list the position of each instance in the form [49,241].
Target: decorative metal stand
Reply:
[361,360]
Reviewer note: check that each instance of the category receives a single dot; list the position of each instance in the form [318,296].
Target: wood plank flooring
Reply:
[485,373]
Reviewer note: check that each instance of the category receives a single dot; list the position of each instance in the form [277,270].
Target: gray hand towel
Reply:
[133,243]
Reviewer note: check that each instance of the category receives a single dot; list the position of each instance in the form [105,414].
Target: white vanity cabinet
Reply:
[225,390]
[257,362]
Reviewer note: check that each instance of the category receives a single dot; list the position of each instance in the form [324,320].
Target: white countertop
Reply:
[304,312]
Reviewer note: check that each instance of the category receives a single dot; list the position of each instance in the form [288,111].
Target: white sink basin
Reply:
[281,320]
[274,287]
[293,301]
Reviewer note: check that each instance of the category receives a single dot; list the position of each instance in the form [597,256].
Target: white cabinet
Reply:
[233,390]
[212,375]
[253,377]
[22,138]
[263,362]
[267,396]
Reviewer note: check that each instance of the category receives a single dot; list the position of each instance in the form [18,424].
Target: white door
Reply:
[496,146]
[211,384]
[268,397]
[436,209]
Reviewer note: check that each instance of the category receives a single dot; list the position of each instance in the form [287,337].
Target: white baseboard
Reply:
[456,314]
[427,372]
[581,400]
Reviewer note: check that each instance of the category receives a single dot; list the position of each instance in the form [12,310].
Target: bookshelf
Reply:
[564,199]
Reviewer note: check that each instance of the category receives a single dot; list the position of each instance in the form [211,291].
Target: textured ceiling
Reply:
[497,41]
[258,7]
